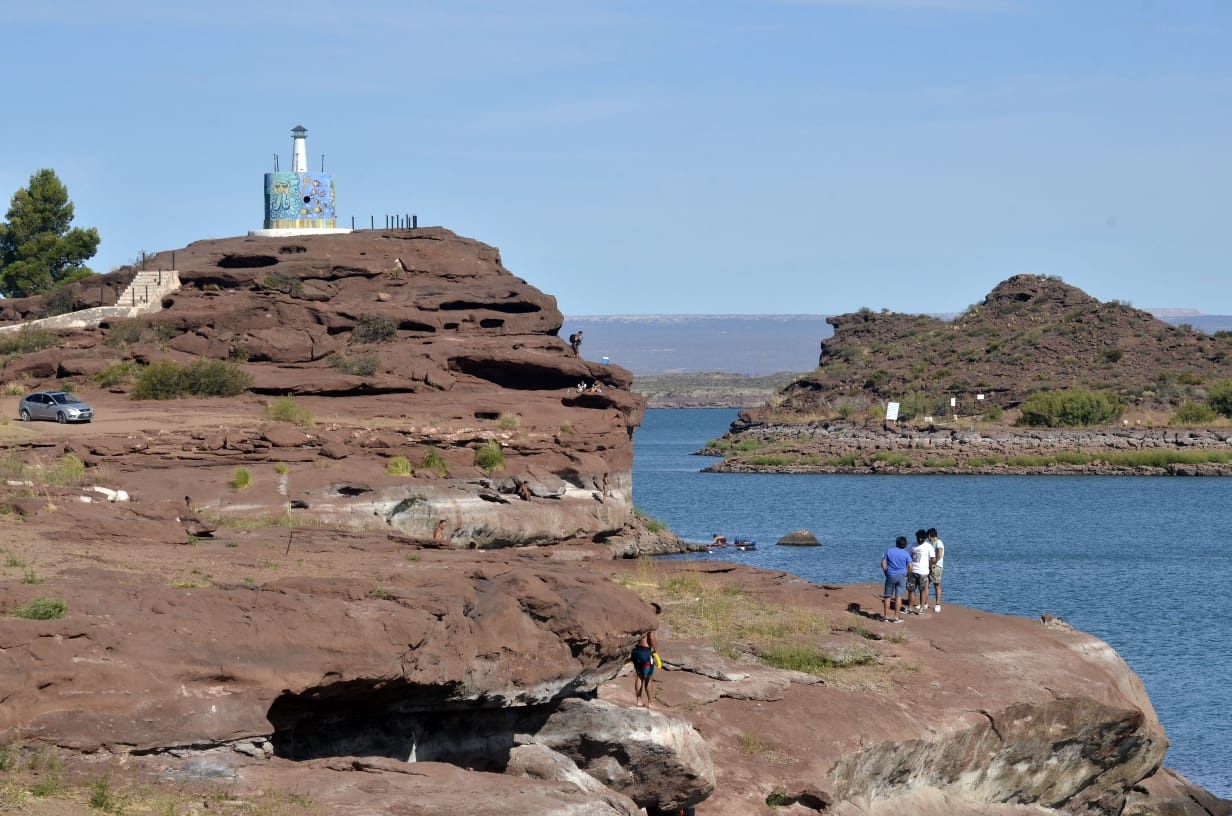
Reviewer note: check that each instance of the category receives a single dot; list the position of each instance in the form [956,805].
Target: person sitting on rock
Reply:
[439,533]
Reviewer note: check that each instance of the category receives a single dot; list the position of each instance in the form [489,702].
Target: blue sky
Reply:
[743,156]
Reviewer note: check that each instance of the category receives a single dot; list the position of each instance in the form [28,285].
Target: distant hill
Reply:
[754,345]
[1031,333]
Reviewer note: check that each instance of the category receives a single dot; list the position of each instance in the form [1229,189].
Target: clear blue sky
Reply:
[726,156]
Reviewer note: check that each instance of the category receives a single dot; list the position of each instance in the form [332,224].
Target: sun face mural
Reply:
[299,200]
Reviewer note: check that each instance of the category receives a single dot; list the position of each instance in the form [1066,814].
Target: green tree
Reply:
[38,250]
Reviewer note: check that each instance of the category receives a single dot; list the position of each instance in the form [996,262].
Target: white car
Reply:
[58,405]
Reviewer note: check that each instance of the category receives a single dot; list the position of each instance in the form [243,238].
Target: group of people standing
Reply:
[911,571]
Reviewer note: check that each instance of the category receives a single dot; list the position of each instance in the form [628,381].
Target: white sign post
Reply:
[891,412]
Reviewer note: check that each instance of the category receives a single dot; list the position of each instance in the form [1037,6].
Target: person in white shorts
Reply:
[934,575]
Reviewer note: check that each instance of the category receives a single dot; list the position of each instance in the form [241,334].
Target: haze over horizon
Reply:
[736,157]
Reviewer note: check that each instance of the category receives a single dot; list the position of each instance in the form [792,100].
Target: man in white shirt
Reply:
[934,575]
[922,557]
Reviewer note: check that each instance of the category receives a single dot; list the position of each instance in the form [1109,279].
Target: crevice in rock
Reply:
[247,261]
[406,721]
[514,307]
[993,725]
[515,375]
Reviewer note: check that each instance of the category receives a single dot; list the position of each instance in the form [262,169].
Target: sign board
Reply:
[953,401]
[979,396]
[891,412]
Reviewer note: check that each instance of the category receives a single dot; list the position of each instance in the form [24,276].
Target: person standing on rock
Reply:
[922,558]
[575,342]
[644,654]
[894,565]
[934,575]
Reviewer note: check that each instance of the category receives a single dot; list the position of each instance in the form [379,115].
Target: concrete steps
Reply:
[145,294]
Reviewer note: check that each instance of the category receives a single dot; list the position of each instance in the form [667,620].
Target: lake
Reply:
[1132,560]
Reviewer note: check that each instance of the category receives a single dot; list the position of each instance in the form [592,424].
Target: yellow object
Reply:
[658,663]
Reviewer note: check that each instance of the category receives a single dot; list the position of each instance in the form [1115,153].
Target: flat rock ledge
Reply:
[837,447]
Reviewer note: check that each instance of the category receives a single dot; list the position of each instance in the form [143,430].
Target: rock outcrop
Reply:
[1030,333]
[382,581]
[405,353]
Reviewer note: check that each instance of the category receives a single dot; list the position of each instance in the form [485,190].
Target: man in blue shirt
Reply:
[894,564]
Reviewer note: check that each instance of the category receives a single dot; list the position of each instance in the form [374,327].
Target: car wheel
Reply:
[25,414]
[60,417]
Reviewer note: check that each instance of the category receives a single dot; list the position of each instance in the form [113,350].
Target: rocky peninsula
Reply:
[1038,377]
[249,605]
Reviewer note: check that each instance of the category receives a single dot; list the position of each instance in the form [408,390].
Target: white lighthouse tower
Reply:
[299,202]
[299,149]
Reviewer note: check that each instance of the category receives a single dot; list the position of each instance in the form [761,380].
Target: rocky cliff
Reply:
[413,345]
[243,605]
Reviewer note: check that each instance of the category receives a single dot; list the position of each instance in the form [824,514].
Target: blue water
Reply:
[1141,562]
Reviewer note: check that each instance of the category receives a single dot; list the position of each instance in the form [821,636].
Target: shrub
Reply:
[67,471]
[1193,413]
[282,282]
[993,413]
[102,798]
[359,365]
[508,422]
[941,462]
[1111,355]
[124,333]
[216,378]
[398,466]
[59,300]
[374,329]
[45,608]
[162,331]
[432,460]
[27,340]
[240,479]
[915,404]
[1219,394]
[652,524]
[1070,408]
[160,380]
[286,409]
[490,456]
[115,373]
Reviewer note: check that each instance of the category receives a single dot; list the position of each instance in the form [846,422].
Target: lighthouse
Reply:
[299,149]
[299,202]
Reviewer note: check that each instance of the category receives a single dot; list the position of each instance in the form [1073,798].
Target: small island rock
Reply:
[799,538]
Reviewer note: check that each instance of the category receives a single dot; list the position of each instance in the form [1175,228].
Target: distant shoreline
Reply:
[850,449]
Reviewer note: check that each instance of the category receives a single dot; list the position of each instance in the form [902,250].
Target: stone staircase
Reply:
[143,295]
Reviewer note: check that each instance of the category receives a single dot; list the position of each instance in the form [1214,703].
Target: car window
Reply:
[38,399]
[66,399]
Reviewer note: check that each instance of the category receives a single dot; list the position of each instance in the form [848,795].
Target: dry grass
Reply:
[755,745]
[739,625]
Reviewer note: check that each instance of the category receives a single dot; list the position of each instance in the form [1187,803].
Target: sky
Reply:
[689,157]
